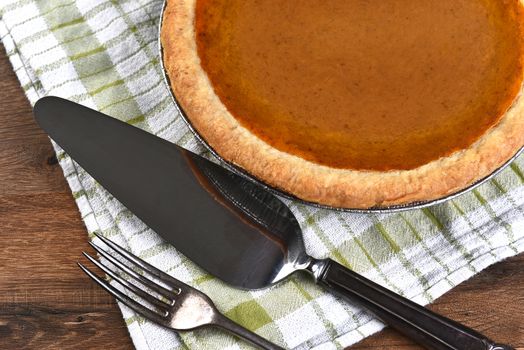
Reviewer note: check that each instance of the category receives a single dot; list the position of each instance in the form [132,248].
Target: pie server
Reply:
[227,225]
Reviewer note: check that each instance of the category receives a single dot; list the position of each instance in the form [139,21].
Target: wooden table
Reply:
[46,302]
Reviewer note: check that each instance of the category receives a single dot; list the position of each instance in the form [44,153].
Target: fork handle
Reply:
[420,324]
[225,323]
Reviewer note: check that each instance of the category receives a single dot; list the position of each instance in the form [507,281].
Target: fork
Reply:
[174,305]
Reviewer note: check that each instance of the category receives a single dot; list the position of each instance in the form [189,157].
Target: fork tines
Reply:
[158,302]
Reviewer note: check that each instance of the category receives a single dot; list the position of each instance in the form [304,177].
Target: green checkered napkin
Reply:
[104,54]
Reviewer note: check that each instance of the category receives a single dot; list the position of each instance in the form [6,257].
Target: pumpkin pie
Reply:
[352,103]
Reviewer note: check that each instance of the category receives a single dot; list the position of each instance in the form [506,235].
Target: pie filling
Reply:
[364,85]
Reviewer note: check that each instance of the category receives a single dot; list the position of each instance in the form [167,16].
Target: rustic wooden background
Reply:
[46,302]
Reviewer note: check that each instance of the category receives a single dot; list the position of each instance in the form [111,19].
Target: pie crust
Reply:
[309,181]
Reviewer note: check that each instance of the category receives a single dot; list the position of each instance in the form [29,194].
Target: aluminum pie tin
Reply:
[239,171]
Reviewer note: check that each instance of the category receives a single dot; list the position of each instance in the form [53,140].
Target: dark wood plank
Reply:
[46,303]
[32,167]
[17,127]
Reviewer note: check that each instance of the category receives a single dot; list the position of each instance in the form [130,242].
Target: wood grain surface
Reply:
[47,303]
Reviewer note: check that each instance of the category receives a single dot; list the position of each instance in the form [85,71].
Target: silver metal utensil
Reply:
[173,305]
[232,228]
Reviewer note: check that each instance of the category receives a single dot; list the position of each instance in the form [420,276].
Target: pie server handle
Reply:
[420,324]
